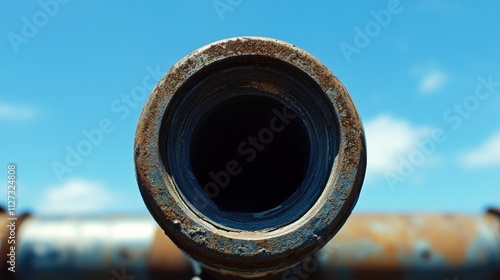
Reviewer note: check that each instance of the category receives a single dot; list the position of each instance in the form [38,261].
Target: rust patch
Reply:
[392,246]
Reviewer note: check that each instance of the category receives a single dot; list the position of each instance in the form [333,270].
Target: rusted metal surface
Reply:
[369,246]
[414,246]
[258,244]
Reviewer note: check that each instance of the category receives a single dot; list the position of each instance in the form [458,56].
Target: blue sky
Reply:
[424,75]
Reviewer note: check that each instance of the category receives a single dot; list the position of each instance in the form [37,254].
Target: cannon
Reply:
[250,155]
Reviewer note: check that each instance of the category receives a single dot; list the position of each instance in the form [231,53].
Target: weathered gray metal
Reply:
[97,248]
[250,154]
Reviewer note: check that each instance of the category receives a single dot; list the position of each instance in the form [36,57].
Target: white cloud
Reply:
[432,81]
[75,197]
[431,77]
[388,140]
[488,154]
[9,111]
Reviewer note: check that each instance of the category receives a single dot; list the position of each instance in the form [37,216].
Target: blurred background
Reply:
[424,75]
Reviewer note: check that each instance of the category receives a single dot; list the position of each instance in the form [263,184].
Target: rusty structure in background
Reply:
[369,246]
[250,155]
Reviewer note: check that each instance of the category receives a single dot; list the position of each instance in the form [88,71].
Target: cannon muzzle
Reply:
[250,155]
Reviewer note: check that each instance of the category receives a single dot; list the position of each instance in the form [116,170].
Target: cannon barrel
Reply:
[250,155]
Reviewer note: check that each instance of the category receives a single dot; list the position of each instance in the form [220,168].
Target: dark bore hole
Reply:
[250,153]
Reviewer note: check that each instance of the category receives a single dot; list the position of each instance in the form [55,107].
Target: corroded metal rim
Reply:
[226,82]
[242,252]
